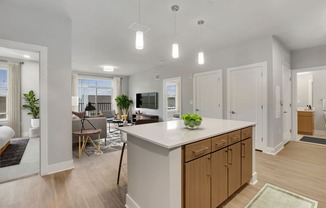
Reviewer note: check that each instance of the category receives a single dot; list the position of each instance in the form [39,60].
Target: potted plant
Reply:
[123,102]
[32,104]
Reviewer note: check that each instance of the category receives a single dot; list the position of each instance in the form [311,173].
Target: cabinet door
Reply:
[197,183]
[234,164]
[305,122]
[219,177]
[246,160]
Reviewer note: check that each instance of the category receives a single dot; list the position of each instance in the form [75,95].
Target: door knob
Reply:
[232,112]
[197,109]
[285,112]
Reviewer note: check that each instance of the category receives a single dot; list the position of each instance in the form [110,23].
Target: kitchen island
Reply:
[167,162]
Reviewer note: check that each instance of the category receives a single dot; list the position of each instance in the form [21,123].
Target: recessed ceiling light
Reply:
[108,68]
[303,73]
[27,56]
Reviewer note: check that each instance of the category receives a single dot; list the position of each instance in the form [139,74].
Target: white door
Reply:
[245,97]
[208,94]
[172,98]
[286,101]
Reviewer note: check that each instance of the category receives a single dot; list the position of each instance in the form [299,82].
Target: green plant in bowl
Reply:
[191,121]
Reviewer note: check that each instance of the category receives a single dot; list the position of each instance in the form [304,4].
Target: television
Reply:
[147,100]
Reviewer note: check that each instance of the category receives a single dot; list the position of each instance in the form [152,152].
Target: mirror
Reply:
[304,89]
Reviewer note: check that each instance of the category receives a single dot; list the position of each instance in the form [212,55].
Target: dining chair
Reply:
[123,137]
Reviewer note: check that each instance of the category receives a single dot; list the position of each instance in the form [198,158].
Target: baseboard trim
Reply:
[59,167]
[275,150]
[130,203]
[253,179]
[319,132]
[25,134]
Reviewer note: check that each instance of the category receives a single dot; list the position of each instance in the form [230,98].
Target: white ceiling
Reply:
[100,34]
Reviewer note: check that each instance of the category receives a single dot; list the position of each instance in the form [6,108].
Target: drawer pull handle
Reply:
[199,152]
[221,143]
[236,137]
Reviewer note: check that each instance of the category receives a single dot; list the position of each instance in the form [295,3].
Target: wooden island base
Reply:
[170,166]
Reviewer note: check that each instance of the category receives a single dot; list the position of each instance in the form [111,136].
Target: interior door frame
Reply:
[43,80]
[284,67]
[263,65]
[178,79]
[294,97]
[218,71]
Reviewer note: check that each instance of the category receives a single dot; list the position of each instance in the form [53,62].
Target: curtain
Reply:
[74,92]
[14,96]
[116,90]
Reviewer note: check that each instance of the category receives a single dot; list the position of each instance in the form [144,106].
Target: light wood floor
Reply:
[300,168]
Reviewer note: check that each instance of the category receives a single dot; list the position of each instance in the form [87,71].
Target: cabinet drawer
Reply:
[219,142]
[246,133]
[198,149]
[234,137]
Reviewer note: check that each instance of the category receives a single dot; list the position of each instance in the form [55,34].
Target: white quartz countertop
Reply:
[173,134]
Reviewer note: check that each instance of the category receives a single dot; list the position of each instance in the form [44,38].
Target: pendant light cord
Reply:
[200,37]
[139,12]
[175,25]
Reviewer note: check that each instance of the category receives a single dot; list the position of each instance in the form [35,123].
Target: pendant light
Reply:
[201,58]
[175,45]
[139,34]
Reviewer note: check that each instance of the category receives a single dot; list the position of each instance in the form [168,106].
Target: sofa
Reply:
[98,122]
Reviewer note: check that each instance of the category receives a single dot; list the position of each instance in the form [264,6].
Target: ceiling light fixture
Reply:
[139,33]
[175,45]
[201,58]
[108,68]
[27,56]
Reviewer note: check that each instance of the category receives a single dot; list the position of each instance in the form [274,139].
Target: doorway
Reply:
[309,111]
[246,93]
[19,86]
[208,94]
[172,99]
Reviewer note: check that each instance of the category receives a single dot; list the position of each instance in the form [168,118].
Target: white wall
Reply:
[38,26]
[29,81]
[318,93]
[308,57]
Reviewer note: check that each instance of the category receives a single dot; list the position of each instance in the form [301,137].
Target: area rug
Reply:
[313,140]
[272,196]
[113,143]
[14,152]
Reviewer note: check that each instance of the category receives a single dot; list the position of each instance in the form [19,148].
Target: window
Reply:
[171,96]
[3,93]
[96,91]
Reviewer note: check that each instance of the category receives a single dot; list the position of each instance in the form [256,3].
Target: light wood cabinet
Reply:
[306,122]
[198,183]
[219,177]
[234,165]
[216,167]
[246,160]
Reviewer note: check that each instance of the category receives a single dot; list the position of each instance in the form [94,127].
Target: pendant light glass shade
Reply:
[201,59]
[139,40]
[175,50]
[175,46]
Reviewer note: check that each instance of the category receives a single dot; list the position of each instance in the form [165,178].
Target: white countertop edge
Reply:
[179,144]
